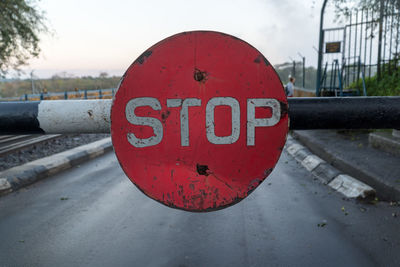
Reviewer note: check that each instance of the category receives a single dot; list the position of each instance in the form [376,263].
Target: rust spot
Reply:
[90,113]
[257,60]
[199,75]
[165,115]
[260,59]
[143,56]
[202,169]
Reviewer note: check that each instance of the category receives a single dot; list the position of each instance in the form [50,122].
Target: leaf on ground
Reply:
[64,198]
[344,211]
[322,224]
[374,201]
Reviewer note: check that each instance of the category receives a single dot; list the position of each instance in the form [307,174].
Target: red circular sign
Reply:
[199,120]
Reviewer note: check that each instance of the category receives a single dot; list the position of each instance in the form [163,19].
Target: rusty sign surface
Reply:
[332,47]
[199,120]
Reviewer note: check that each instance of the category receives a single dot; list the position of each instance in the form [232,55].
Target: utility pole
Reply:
[320,47]
[293,68]
[304,68]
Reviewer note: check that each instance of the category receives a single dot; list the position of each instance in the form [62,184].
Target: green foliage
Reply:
[16,88]
[20,25]
[388,85]
[344,7]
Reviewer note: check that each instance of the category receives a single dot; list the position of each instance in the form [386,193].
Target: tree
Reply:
[344,7]
[103,75]
[379,10]
[21,22]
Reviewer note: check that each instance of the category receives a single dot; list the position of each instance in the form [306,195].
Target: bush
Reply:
[388,85]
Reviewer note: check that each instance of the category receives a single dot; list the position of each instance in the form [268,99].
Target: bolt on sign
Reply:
[199,120]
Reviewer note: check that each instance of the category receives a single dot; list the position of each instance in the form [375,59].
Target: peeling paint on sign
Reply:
[199,121]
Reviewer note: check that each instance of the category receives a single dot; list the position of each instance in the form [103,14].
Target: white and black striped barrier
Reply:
[51,116]
[199,120]
[93,116]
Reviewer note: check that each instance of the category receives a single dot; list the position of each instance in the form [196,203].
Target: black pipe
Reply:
[344,113]
[19,118]
[305,114]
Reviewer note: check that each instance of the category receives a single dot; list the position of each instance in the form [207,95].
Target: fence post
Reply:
[320,48]
[294,69]
[380,39]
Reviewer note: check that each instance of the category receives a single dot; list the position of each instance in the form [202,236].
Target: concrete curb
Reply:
[328,175]
[386,142]
[31,172]
[384,182]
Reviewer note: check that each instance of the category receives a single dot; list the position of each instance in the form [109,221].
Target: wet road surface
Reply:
[92,215]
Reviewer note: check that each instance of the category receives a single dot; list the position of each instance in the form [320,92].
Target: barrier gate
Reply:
[199,119]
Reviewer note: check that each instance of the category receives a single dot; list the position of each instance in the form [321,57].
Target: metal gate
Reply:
[367,46]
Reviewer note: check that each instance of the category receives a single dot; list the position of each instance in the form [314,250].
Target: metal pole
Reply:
[320,47]
[380,38]
[93,116]
[304,68]
[304,72]
[294,69]
[344,113]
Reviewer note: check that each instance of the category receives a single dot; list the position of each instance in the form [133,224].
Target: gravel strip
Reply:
[47,148]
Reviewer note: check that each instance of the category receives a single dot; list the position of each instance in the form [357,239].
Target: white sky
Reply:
[103,35]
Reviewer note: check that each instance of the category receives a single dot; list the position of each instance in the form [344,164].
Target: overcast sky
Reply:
[102,35]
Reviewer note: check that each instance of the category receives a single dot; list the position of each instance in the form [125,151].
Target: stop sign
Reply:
[199,120]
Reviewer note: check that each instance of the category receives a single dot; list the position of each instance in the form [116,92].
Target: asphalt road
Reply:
[92,215]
